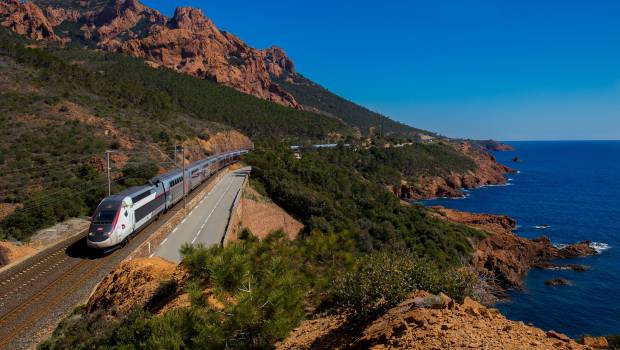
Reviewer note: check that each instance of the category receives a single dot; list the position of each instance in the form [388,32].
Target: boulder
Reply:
[577,250]
[558,282]
[559,336]
[595,342]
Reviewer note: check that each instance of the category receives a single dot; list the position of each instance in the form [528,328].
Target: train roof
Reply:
[177,172]
[168,175]
[129,192]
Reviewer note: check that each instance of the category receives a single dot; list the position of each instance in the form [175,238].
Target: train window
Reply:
[105,216]
[141,196]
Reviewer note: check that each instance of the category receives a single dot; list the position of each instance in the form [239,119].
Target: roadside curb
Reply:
[236,211]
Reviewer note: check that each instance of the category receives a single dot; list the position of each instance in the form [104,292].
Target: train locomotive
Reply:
[120,216]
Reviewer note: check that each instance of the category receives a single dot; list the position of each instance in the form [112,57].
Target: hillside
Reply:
[188,42]
[313,96]
[62,108]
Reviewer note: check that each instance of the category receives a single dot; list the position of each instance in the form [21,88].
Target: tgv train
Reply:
[120,216]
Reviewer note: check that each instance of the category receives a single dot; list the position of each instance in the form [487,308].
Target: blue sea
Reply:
[575,188]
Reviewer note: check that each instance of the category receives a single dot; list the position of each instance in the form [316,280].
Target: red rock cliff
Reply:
[505,257]
[189,42]
[26,19]
[488,172]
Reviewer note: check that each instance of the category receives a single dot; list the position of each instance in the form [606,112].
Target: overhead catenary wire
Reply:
[73,161]
[78,188]
[16,185]
[47,165]
[49,201]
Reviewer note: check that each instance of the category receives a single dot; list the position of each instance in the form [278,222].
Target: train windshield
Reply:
[106,213]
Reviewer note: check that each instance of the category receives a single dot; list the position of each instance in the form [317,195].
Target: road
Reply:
[206,223]
[36,293]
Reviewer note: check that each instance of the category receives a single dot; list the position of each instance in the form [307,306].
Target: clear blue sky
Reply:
[504,69]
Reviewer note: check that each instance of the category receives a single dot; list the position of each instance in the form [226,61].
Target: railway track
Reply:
[38,292]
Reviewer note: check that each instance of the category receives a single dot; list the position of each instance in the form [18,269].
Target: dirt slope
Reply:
[261,216]
[426,322]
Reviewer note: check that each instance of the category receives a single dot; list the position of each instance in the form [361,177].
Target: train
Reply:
[120,216]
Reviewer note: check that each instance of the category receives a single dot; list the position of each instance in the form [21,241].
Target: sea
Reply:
[574,188]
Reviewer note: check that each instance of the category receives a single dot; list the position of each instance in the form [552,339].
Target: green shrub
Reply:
[138,171]
[383,279]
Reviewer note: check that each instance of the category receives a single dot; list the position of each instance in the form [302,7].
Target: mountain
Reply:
[315,97]
[189,42]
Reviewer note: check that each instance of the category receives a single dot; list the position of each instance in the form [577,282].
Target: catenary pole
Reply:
[176,165]
[184,192]
[107,169]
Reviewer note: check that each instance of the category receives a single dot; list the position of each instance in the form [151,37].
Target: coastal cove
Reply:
[574,188]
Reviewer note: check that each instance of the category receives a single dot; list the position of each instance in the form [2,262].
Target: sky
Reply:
[503,69]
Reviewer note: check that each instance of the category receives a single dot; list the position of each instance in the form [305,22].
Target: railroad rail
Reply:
[39,291]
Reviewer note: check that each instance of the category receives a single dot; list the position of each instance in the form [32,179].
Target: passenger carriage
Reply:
[120,216]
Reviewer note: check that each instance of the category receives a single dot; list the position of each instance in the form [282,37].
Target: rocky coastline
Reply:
[488,172]
[505,258]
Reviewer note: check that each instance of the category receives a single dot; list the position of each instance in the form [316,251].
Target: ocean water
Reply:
[575,188]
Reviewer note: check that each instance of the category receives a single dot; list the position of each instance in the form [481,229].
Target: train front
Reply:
[100,233]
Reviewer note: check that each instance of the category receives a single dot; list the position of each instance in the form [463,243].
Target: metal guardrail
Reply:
[233,211]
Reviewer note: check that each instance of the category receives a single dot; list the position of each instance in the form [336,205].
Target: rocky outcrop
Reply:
[57,15]
[192,44]
[595,342]
[278,63]
[426,325]
[189,42]
[488,172]
[491,145]
[11,252]
[7,7]
[27,19]
[121,16]
[505,257]
[558,282]
[133,283]
[225,141]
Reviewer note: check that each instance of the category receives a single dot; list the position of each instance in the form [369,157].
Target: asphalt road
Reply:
[206,223]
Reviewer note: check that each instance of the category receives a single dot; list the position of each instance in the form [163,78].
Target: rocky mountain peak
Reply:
[26,19]
[278,62]
[118,8]
[121,16]
[191,19]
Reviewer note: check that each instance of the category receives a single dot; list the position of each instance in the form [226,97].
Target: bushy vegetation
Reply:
[247,295]
[166,94]
[313,95]
[253,293]
[331,191]
[383,279]
[389,166]
[138,171]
